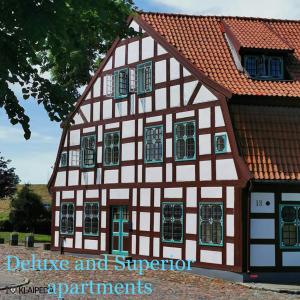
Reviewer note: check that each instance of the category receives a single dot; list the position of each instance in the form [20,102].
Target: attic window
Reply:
[264,66]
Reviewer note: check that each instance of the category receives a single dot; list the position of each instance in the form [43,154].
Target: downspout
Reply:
[250,189]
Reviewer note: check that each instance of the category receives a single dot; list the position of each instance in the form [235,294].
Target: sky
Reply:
[34,159]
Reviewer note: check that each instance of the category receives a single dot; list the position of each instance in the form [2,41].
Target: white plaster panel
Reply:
[78,240]
[191,197]
[212,257]
[104,197]
[128,129]
[169,146]
[169,124]
[68,195]
[188,89]
[91,244]
[79,198]
[190,250]
[145,197]
[60,179]
[230,225]
[174,69]
[140,150]
[56,238]
[78,119]
[154,174]
[119,193]
[87,178]
[160,50]
[98,175]
[154,119]
[140,127]
[134,220]
[57,213]
[291,259]
[127,174]
[74,137]
[111,176]
[88,129]
[107,109]
[79,218]
[134,197]
[204,118]
[103,219]
[128,151]
[121,109]
[204,144]
[172,252]
[97,87]
[100,133]
[144,245]
[185,173]
[99,154]
[175,96]
[262,255]
[103,241]
[262,202]
[108,65]
[147,48]
[156,225]
[157,197]
[186,72]
[133,52]
[230,197]
[135,26]
[205,170]
[92,194]
[133,244]
[290,196]
[191,224]
[211,192]
[120,56]
[145,104]
[185,114]
[225,169]
[57,198]
[173,193]
[229,254]
[96,111]
[262,228]
[160,99]
[204,95]
[156,247]
[219,120]
[68,243]
[169,172]
[144,221]
[160,71]
[86,110]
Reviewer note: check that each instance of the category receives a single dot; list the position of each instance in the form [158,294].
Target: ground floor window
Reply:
[290,226]
[211,224]
[91,218]
[172,222]
[67,218]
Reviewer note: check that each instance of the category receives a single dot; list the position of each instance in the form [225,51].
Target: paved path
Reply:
[11,280]
[167,285]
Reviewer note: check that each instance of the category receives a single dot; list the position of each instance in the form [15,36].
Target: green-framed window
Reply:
[144,78]
[88,151]
[91,218]
[220,143]
[185,140]
[121,82]
[153,142]
[289,226]
[111,148]
[172,222]
[67,218]
[64,159]
[211,224]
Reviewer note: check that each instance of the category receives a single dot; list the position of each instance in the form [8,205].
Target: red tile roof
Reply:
[269,140]
[200,39]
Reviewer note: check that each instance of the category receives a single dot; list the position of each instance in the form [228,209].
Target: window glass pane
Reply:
[190,129]
[216,212]
[275,67]
[180,132]
[116,213]
[70,209]
[288,214]
[190,147]
[87,225]
[108,156]
[167,230]
[64,209]
[205,229]
[177,230]
[216,233]
[125,213]
[94,225]
[115,155]
[251,65]
[70,225]
[95,209]
[177,211]
[63,224]
[180,148]
[205,212]
[87,210]
[167,213]
[108,139]
[289,234]
[220,143]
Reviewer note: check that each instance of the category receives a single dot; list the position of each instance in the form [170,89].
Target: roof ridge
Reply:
[219,17]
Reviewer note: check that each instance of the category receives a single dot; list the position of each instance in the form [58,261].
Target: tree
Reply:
[65,38]
[8,179]
[28,212]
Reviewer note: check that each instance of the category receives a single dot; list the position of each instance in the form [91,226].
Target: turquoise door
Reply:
[119,230]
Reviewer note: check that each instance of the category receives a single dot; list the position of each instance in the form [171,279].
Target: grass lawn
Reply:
[39,238]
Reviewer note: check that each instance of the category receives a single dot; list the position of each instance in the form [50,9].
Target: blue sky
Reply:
[33,159]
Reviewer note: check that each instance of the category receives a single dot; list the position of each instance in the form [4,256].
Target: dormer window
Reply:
[264,66]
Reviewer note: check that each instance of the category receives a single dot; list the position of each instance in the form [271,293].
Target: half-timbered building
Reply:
[186,145]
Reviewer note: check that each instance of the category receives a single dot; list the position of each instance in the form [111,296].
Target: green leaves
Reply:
[62,37]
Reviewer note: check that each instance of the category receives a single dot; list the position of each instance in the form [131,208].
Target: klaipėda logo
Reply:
[28,290]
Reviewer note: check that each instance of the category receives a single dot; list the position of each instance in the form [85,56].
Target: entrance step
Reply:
[111,258]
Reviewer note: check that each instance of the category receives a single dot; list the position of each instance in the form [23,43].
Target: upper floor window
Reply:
[67,218]
[172,222]
[220,143]
[111,148]
[121,83]
[264,66]
[91,218]
[88,151]
[64,159]
[290,226]
[185,140]
[144,78]
[153,144]
[211,224]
